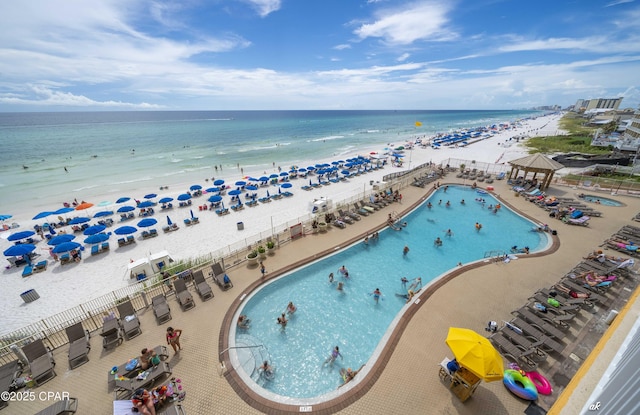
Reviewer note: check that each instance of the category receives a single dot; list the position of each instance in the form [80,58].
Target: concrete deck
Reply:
[406,379]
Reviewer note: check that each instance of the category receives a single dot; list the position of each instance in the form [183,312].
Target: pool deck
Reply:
[406,379]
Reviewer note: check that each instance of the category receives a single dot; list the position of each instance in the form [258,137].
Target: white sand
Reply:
[62,287]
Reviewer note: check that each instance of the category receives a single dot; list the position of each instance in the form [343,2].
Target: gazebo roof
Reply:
[536,162]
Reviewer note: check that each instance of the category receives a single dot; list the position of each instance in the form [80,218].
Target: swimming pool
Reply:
[601,200]
[351,319]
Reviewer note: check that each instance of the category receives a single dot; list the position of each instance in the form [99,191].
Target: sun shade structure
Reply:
[475,353]
[536,164]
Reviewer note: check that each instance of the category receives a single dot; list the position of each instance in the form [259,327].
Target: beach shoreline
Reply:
[98,275]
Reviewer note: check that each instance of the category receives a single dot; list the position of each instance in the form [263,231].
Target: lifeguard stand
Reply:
[462,382]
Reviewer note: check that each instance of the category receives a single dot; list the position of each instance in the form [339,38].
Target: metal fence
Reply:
[52,329]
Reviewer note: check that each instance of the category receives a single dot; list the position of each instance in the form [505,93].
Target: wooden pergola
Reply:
[536,164]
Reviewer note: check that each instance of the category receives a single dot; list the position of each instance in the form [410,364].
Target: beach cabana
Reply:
[536,164]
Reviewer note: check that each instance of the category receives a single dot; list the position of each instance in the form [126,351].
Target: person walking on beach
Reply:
[173,338]
[263,270]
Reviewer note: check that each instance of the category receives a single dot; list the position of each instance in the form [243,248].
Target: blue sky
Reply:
[316,54]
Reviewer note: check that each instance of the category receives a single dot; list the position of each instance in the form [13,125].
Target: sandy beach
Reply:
[61,287]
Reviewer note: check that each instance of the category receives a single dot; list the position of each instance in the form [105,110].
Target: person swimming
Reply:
[437,242]
[340,286]
[291,308]
[334,355]
[282,321]
[331,278]
[417,283]
[344,271]
[266,370]
[376,295]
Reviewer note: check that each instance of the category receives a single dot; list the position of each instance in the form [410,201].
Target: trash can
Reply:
[240,226]
[612,315]
[29,296]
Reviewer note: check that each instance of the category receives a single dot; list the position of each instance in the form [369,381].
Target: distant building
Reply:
[597,104]
[629,142]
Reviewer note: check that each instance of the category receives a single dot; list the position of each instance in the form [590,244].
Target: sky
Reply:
[72,55]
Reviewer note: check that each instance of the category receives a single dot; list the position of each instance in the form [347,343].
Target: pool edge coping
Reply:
[361,388]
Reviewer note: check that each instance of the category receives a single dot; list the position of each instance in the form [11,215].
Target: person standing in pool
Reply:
[405,251]
[344,271]
[331,278]
[376,295]
[282,320]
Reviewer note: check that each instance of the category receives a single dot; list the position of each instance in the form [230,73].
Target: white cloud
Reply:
[422,21]
[265,7]
[403,57]
[616,2]
[342,47]
[39,95]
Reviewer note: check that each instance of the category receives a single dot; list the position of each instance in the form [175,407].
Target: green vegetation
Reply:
[578,140]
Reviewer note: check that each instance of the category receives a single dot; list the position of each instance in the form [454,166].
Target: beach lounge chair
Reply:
[130,240]
[41,266]
[64,406]
[528,343]
[79,345]
[184,297]
[546,326]
[111,333]
[124,388]
[8,373]
[549,344]
[161,309]
[202,288]
[41,362]
[220,277]
[369,209]
[581,221]
[594,294]
[27,271]
[352,215]
[563,295]
[515,353]
[345,218]
[553,316]
[95,249]
[360,211]
[563,308]
[129,319]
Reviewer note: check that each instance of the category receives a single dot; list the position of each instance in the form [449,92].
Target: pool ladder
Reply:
[497,255]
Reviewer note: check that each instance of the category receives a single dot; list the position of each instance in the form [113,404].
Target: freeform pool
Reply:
[601,200]
[351,319]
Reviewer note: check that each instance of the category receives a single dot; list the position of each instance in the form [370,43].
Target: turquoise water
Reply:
[113,154]
[351,319]
[602,200]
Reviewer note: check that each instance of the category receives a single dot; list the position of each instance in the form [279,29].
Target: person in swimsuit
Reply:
[417,283]
[347,375]
[344,271]
[376,295]
[173,338]
[291,308]
[282,320]
[334,355]
[331,278]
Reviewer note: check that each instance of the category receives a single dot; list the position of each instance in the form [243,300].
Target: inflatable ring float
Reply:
[520,385]
[541,383]
[481,192]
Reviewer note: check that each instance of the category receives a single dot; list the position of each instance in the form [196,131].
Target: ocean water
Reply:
[51,158]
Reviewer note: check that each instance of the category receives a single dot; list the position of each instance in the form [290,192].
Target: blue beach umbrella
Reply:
[5,217]
[169,221]
[65,247]
[184,197]
[273,176]
[302,170]
[263,179]
[241,183]
[78,221]
[286,185]
[218,182]
[284,173]
[20,235]
[214,198]
[211,189]
[146,204]
[252,188]
[166,200]
[92,230]
[145,223]
[63,210]
[268,194]
[125,209]
[125,230]
[345,172]
[123,199]
[57,240]
[235,192]
[150,196]
[42,215]
[103,214]
[19,250]
[195,187]
[310,168]
[96,239]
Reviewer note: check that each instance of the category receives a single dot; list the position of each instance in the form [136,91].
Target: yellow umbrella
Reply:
[475,353]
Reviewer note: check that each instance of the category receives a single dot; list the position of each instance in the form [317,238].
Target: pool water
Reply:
[351,319]
[602,200]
